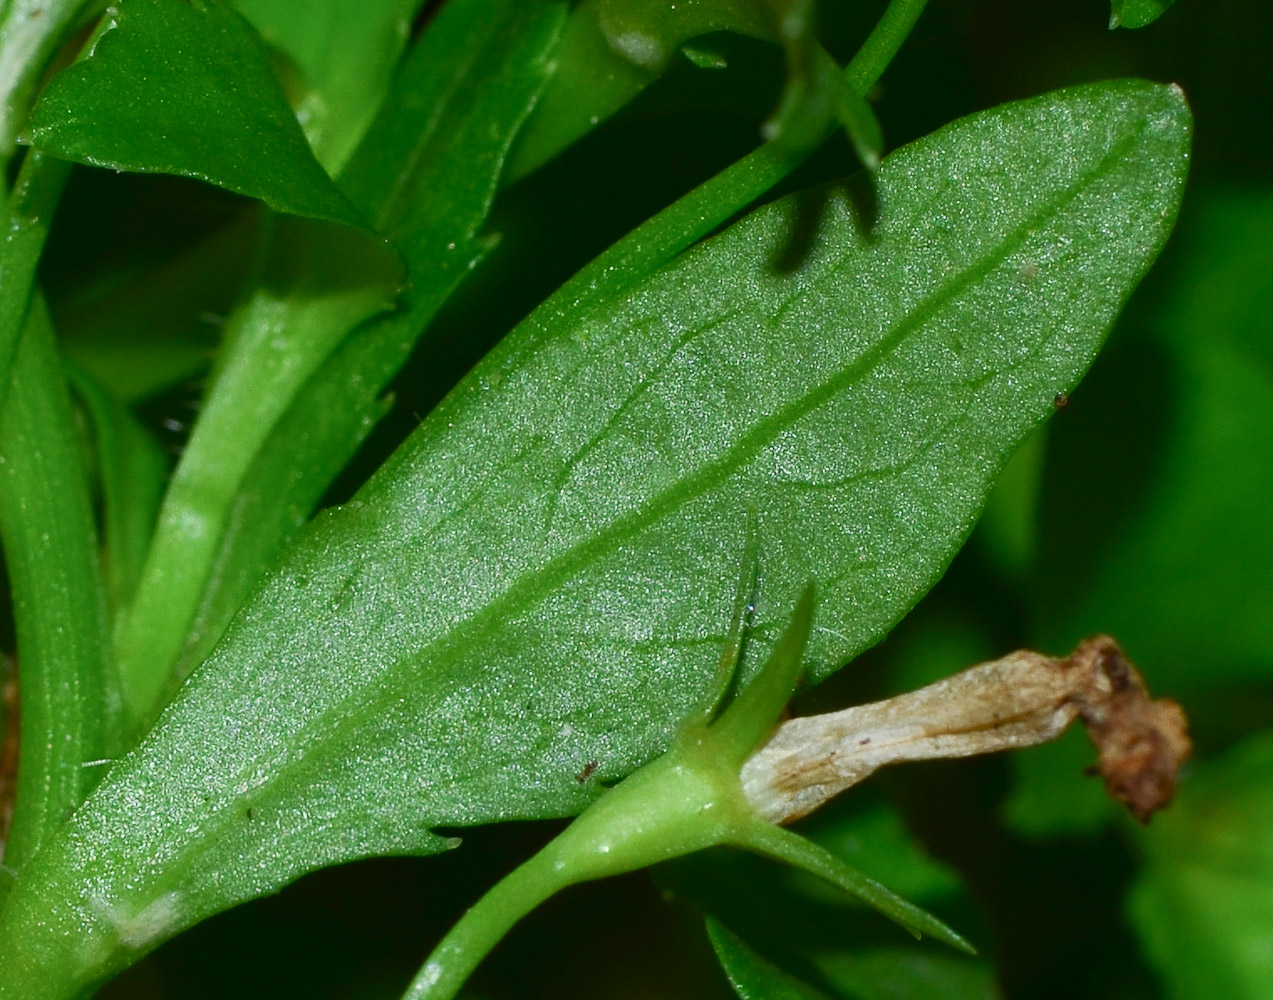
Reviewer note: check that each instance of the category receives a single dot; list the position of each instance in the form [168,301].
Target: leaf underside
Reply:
[542,576]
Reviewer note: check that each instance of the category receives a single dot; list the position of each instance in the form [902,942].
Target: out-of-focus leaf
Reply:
[1008,531]
[907,973]
[1136,13]
[1054,794]
[534,580]
[876,840]
[1202,903]
[186,88]
[346,54]
[610,51]
[131,467]
[1155,512]
[752,975]
[143,330]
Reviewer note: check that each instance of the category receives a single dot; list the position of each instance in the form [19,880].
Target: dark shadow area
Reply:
[361,931]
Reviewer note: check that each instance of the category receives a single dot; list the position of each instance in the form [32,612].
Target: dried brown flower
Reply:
[1020,700]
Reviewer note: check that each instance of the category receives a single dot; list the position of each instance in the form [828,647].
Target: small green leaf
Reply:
[753,976]
[132,468]
[346,54]
[186,88]
[907,973]
[534,580]
[1136,13]
[1202,904]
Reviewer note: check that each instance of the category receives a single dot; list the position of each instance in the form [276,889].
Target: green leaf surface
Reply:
[1136,13]
[753,976]
[1178,537]
[186,88]
[1202,904]
[535,580]
[907,973]
[345,54]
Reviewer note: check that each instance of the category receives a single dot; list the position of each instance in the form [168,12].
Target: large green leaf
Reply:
[1202,903]
[543,575]
[186,88]
[1136,13]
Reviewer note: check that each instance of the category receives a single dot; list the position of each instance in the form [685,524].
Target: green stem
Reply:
[694,215]
[31,209]
[882,44]
[483,927]
[50,547]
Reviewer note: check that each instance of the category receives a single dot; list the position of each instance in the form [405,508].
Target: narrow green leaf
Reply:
[534,581]
[875,838]
[1136,13]
[319,283]
[132,468]
[790,848]
[753,714]
[46,525]
[345,53]
[1202,904]
[753,976]
[186,88]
